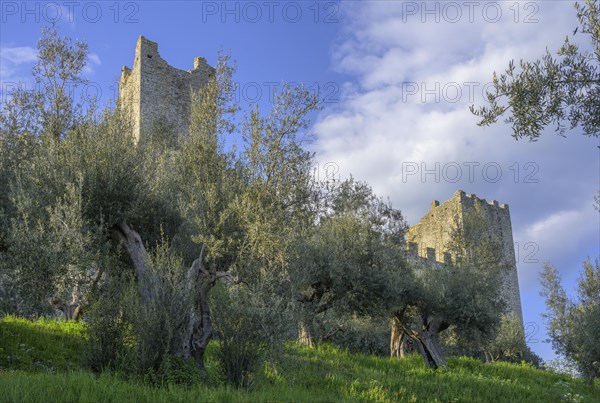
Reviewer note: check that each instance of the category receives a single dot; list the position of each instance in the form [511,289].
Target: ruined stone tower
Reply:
[155,93]
[429,238]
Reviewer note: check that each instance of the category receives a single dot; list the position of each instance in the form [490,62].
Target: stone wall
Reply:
[153,93]
[429,238]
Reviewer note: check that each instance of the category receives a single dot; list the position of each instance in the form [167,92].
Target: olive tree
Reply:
[351,264]
[563,92]
[574,325]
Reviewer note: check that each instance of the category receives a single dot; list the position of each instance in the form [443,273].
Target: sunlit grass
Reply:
[40,362]
[41,345]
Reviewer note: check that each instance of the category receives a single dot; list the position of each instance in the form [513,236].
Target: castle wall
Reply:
[155,93]
[428,240]
[434,230]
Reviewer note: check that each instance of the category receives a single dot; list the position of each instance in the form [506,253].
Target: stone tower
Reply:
[428,239]
[154,92]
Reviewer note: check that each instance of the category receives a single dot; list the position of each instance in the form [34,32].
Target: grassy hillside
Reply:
[41,361]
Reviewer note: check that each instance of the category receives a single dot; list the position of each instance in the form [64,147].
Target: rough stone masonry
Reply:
[154,93]
[427,240]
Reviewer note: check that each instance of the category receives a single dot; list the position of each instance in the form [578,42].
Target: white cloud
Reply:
[14,61]
[414,82]
[15,69]
[559,238]
[92,60]
[18,55]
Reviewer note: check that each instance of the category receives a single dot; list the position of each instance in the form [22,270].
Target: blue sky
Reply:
[398,77]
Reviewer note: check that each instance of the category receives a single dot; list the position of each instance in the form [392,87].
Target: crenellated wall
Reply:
[153,92]
[429,239]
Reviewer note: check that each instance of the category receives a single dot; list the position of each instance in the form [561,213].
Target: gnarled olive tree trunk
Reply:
[195,335]
[426,339]
[429,342]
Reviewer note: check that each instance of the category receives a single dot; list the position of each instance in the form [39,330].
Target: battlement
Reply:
[431,254]
[424,263]
[470,199]
[153,93]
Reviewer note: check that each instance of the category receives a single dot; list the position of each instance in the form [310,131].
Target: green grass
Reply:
[40,362]
[46,345]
